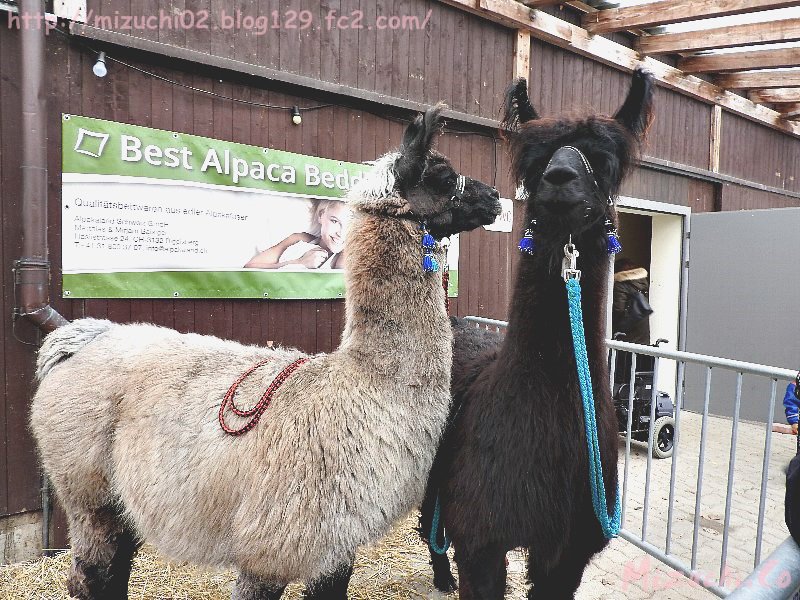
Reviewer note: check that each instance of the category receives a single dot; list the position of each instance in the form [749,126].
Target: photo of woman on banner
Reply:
[319,248]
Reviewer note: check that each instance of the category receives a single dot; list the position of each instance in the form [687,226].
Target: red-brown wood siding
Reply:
[759,154]
[647,184]
[735,197]
[449,60]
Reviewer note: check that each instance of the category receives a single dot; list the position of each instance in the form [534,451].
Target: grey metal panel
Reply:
[744,303]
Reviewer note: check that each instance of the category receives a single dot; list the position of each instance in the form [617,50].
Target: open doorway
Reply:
[654,237]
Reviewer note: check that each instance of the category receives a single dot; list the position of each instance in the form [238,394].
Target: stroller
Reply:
[664,425]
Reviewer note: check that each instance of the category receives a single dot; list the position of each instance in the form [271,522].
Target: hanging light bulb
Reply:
[296,118]
[99,67]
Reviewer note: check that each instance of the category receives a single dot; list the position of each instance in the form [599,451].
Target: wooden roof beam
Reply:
[748,80]
[541,3]
[576,39]
[739,61]
[784,30]
[776,96]
[790,111]
[672,11]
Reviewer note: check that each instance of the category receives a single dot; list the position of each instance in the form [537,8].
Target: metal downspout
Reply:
[32,269]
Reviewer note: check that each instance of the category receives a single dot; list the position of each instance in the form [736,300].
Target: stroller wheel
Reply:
[663,437]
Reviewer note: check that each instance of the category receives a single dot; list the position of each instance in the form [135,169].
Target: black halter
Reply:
[461,185]
[456,198]
[589,171]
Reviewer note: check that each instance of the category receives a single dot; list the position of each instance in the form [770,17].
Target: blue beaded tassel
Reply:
[526,244]
[613,245]
[429,262]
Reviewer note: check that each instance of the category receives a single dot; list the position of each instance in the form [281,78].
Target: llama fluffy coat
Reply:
[130,421]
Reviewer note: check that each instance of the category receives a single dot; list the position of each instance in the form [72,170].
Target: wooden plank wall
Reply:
[454,59]
[460,59]
[563,82]
[341,132]
[758,154]
[647,184]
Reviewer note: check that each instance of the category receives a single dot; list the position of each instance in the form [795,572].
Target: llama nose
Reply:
[559,175]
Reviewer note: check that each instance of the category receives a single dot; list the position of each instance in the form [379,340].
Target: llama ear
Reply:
[419,134]
[518,107]
[417,142]
[636,113]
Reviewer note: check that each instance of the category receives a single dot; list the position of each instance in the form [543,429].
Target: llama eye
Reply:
[447,183]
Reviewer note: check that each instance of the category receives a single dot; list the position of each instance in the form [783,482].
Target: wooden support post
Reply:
[716,138]
[522,54]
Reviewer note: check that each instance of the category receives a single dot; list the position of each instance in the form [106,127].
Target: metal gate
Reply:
[777,576]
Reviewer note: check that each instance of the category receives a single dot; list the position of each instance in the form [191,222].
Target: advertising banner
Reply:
[148,213]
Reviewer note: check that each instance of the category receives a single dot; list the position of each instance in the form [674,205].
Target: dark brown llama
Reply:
[513,469]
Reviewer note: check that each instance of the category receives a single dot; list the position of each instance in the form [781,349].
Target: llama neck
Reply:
[538,326]
[396,320]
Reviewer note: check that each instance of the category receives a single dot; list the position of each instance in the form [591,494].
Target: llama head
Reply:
[570,169]
[419,183]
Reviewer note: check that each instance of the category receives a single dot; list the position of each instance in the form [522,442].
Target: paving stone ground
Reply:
[623,571]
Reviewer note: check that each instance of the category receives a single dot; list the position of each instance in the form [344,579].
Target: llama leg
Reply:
[481,575]
[443,578]
[102,554]
[561,581]
[331,587]
[250,587]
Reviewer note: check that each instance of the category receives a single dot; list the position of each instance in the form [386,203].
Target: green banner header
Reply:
[98,147]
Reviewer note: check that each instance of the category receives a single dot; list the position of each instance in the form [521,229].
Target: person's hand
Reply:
[314,258]
[794,428]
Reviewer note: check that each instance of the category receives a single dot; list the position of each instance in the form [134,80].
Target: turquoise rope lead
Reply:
[434,526]
[609,523]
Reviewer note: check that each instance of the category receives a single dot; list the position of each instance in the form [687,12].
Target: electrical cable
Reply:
[214,94]
[187,86]
[446,130]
